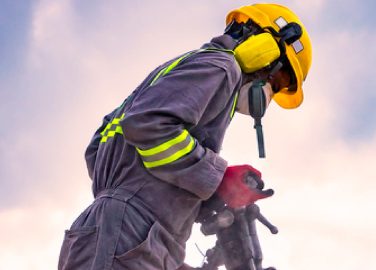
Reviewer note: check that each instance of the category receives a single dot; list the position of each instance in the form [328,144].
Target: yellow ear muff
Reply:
[257,52]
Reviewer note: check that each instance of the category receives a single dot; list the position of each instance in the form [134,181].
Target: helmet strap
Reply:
[241,31]
[288,34]
[276,67]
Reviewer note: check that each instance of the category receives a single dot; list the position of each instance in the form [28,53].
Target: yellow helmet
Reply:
[298,53]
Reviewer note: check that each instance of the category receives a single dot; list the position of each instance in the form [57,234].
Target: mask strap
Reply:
[272,73]
[288,34]
[241,31]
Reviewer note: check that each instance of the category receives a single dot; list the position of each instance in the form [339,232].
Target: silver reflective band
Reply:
[169,151]
[298,46]
[281,22]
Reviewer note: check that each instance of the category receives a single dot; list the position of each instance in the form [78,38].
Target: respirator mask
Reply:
[260,49]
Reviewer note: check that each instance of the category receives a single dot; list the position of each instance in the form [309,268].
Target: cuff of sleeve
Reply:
[205,176]
[201,178]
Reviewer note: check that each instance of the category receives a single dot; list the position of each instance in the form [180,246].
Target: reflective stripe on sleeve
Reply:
[168,152]
[234,105]
[112,128]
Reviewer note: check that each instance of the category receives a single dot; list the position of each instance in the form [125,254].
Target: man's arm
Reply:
[159,120]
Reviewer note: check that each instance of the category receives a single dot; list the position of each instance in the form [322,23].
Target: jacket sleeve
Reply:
[160,117]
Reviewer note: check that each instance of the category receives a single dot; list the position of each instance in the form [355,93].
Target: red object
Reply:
[241,186]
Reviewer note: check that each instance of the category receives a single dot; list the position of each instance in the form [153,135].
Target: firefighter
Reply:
[155,158]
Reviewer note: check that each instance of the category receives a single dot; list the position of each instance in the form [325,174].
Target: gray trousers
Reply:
[118,232]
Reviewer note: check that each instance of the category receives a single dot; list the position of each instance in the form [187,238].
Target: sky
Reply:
[65,64]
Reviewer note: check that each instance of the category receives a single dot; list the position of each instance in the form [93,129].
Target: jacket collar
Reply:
[222,42]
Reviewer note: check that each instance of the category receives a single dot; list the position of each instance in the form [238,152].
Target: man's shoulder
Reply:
[214,57]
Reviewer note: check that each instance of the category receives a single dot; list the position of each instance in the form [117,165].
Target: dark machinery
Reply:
[237,246]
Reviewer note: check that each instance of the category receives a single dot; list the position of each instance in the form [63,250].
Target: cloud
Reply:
[349,85]
[31,236]
[14,19]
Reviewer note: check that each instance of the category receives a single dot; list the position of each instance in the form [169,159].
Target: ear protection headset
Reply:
[258,47]
[257,52]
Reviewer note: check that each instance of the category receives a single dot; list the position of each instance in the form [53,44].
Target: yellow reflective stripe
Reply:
[156,77]
[107,133]
[173,157]
[170,67]
[167,152]
[167,69]
[234,105]
[112,133]
[164,146]
[174,64]
[218,50]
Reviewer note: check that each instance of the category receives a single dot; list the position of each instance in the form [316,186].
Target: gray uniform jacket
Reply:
[153,161]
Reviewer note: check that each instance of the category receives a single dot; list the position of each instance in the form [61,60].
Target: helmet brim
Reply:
[286,98]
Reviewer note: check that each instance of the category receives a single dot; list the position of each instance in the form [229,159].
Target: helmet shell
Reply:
[298,53]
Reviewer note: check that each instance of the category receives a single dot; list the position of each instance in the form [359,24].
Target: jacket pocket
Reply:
[78,249]
[159,251]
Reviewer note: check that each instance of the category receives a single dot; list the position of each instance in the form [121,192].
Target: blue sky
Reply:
[14,24]
[65,64]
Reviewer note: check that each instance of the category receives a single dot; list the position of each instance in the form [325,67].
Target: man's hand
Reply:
[242,186]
